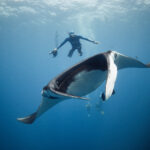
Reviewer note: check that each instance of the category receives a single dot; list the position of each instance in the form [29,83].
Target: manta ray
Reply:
[82,79]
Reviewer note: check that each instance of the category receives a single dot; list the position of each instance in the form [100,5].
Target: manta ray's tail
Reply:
[29,119]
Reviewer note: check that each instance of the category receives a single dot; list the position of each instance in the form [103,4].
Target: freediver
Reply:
[74,40]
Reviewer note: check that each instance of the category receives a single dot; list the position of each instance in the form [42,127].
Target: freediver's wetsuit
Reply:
[75,43]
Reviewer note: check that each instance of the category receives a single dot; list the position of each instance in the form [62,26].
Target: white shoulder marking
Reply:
[111,77]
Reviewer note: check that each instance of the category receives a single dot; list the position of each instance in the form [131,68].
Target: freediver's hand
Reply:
[55,49]
[95,42]
[54,52]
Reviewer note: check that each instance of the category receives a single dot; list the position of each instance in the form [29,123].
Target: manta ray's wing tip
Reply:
[28,120]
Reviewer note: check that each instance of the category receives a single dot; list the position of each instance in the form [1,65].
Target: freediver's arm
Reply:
[62,43]
[54,51]
[86,39]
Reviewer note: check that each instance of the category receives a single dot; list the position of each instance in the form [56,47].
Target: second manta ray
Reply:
[82,79]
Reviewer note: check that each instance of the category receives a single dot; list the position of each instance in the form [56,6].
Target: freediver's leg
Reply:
[79,51]
[71,52]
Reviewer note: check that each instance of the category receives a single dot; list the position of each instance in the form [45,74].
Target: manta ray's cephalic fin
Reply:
[111,77]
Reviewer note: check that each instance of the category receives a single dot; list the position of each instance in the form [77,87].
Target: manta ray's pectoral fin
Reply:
[123,61]
[111,78]
[46,104]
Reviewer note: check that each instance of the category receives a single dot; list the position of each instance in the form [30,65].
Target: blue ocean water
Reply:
[28,32]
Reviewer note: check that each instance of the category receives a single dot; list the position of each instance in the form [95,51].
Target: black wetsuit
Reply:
[75,43]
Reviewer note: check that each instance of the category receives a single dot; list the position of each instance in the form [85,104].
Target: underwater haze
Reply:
[29,29]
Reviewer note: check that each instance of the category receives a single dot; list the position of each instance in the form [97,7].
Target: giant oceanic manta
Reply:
[82,79]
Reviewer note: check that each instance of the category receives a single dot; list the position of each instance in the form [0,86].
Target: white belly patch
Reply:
[86,81]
